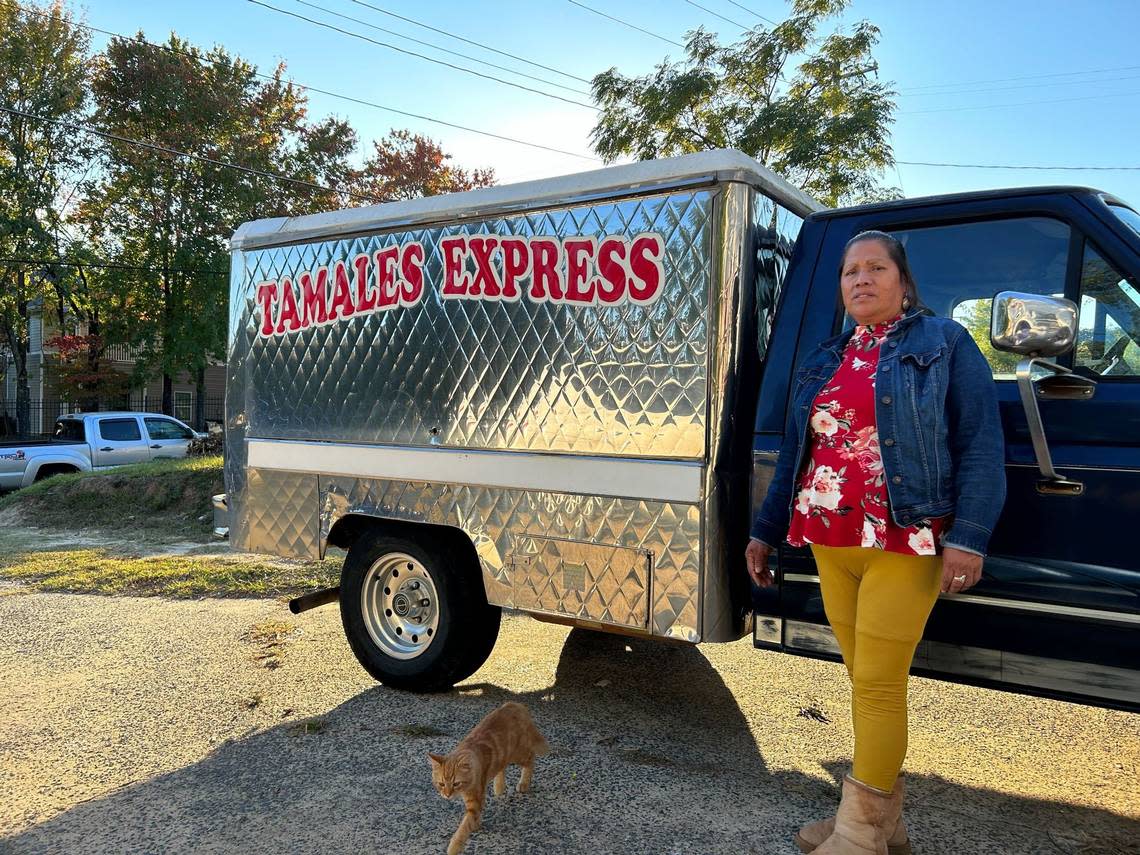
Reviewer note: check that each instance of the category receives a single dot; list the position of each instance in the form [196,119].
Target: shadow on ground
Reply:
[651,754]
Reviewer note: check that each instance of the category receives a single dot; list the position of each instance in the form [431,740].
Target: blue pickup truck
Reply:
[1057,612]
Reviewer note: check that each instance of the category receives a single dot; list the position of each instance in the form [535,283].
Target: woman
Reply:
[892,471]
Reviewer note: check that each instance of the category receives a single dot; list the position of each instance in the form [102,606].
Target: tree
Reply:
[44,82]
[404,165]
[824,127]
[168,217]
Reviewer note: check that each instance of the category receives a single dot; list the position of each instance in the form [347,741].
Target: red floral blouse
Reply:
[842,497]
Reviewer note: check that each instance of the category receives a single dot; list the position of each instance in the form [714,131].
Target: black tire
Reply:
[466,627]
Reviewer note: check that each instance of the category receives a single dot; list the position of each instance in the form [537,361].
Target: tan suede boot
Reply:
[861,824]
[809,838]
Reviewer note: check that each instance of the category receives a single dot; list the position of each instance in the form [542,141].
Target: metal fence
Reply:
[42,413]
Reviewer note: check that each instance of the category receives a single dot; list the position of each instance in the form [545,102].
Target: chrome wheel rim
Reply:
[400,605]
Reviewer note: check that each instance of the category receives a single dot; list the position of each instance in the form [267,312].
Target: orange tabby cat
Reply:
[505,736]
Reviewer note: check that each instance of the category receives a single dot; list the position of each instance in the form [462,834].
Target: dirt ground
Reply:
[153,725]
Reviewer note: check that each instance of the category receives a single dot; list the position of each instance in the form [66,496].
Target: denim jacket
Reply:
[940,434]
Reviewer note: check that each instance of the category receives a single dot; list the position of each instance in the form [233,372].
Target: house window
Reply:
[183,406]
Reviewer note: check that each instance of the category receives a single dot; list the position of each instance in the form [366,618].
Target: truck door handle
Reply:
[156,445]
[107,448]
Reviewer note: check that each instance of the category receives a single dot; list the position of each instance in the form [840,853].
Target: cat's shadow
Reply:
[643,701]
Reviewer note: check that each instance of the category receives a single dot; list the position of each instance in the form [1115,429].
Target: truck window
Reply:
[960,267]
[1130,217]
[1108,340]
[166,429]
[69,429]
[119,430]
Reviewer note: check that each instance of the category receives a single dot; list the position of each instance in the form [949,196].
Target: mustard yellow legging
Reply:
[877,603]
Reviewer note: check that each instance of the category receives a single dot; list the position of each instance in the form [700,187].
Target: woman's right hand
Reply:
[757,557]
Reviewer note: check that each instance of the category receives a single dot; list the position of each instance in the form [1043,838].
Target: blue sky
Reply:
[998,82]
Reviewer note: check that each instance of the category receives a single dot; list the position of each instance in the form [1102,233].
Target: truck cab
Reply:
[1057,612]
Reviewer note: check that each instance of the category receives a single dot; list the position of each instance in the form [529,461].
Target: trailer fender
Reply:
[351,526]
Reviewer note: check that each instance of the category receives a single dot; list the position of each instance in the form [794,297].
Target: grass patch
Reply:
[100,571]
[161,498]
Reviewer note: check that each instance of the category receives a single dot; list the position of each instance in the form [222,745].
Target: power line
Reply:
[84,128]
[757,14]
[1019,86]
[1018,166]
[41,262]
[624,23]
[1018,104]
[331,94]
[423,57]
[470,41]
[717,14]
[1025,77]
[437,47]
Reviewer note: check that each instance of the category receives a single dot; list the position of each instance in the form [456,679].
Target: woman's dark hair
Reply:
[897,252]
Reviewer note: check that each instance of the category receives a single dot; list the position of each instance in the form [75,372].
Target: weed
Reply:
[308,726]
[270,638]
[418,731]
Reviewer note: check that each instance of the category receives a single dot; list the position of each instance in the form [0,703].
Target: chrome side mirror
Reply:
[1032,324]
[1037,327]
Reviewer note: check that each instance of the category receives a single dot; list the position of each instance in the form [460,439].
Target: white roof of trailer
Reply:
[699,168]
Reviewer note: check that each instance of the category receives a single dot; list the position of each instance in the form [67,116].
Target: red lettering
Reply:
[611,267]
[579,253]
[290,318]
[455,278]
[486,279]
[386,277]
[516,263]
[648,274]
[412,266]
[313,297]
[544,281]
[365,299]
[266,297]
[342,293]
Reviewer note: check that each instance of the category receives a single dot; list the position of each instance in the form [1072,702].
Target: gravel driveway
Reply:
[148,725]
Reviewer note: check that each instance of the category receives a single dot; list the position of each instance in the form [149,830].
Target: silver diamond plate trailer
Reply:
[536,396]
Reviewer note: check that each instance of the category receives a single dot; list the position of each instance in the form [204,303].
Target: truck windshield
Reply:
[1130,217]
[69,429]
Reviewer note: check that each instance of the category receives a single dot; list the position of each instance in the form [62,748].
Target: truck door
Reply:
[117,440]
[1058,609]
[168,438]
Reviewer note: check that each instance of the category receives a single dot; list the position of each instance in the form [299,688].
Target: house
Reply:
[48,401]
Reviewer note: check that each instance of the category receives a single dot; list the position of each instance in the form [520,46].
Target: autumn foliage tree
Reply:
[86,382]
[404,165]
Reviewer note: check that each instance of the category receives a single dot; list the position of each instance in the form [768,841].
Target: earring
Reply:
[906,303]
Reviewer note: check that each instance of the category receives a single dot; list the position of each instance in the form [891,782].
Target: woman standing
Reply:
[892,472]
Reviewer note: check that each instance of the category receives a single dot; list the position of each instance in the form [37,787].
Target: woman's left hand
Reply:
[960,570]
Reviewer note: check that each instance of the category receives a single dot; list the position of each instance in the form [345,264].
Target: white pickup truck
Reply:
[85,441]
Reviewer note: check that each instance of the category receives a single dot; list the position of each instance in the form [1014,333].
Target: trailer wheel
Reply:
[415,614]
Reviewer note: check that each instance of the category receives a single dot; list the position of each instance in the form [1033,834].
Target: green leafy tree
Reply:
[824,125]
[44,82]
[171,216]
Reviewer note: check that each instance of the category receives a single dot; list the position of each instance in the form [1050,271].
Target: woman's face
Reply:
[871,284]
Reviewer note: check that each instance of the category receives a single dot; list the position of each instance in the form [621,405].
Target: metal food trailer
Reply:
[537,396]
